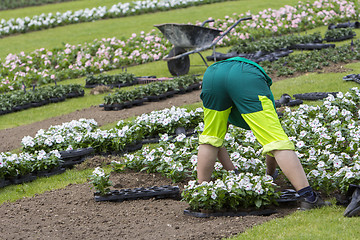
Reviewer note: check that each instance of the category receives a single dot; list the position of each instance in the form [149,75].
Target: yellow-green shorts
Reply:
[237,92]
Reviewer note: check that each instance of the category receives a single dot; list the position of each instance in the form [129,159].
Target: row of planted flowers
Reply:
[151,92]
[36,97]
[326,138]
[310,61]
[293,41]
[46,150]
[52,20]
[70,61]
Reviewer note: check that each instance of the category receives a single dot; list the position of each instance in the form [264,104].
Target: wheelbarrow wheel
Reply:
[179,66]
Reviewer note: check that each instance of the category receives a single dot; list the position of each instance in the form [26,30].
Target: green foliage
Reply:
[338,33]
[274,43]
[100,181]
[106,79]
[311,61]
[151,89]
[11,101]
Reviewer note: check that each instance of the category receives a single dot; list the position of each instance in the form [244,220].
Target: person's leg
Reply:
[290,165]
[217,107]
[271,166]
[206,160]
[225,160]
[269,132]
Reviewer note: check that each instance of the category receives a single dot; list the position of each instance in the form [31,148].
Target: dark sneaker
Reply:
[318,203]
[237,172]
[353,209]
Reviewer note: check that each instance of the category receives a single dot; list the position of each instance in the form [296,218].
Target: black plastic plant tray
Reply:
[22,179]
[150,140]
[314,95]
[4,183]
[264,212]
[76,153]
[288,195]
[140,193]
[72,161]
[50,172]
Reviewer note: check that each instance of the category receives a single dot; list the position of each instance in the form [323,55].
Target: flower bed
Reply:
[117,80]
[23,167]
[339,34]
[155,91]
[67,144]
[23,99]
[71,61]
[313,60]
[326,138]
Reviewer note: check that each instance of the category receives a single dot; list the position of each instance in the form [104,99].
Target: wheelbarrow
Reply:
[185,37]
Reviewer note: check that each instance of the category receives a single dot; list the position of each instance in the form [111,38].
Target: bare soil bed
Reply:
[72,213]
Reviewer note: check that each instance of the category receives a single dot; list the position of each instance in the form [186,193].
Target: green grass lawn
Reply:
[121,27]
[325,223]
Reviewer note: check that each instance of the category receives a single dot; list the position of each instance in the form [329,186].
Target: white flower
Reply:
[213,195]
[180,137]
[321,164]
[315,173]
[99,172]
[59,139]
[235,155]
[349,174]
[28,141]
[340,95]
[337,163]
[300,144]
[179,167]
[164,137]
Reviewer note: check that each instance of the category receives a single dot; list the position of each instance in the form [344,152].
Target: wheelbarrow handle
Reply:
[207,21]
[229,29]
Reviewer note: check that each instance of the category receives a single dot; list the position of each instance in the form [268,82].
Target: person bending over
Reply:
[237,91]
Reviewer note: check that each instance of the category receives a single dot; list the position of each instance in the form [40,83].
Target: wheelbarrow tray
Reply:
[189,36]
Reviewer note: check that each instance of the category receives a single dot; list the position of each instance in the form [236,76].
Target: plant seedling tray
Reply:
[264,212]
[314,95]
[71,154]
[288,196]
[140,193]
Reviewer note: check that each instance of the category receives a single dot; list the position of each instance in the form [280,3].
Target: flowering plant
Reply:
[100,181]
[59,137]
[245,190]
[12,165]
